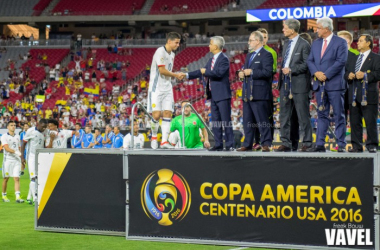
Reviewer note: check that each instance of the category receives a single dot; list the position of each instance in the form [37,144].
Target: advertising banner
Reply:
[81,191]
[281,200]
[313,12]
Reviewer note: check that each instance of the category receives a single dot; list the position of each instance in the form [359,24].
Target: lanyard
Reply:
[364,90]
[322,106]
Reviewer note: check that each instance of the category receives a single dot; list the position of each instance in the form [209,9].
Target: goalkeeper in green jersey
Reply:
[194,130]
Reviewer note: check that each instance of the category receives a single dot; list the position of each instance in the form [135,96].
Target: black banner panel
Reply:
[87,193]
[281,200]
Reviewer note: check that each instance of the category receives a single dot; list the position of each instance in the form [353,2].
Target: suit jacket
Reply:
[298,65]
[260,79]
[371,66]
[218,78]
[331,64]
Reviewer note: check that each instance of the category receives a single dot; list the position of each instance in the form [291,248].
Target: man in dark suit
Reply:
[326,63]
[363,96]
[218,89]
[294,85]
[257,86]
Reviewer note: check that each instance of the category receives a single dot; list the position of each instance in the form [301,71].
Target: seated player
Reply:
[138,139]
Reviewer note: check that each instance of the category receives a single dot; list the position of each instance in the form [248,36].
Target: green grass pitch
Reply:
[17,231]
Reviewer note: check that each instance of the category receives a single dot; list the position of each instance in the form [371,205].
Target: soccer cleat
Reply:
[5,198]
[166,145]
[154,143]
[335,149]
[30,202]
[19,200]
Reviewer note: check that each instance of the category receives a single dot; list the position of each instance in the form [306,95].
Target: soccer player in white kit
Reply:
[35,139]
[138,139]
[160,94]
[57,138]
[11,161]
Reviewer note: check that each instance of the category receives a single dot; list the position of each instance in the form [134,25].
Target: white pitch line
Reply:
[240,248]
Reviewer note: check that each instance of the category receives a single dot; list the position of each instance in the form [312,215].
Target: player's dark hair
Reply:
[80,125]
[11,121]
[87,126]
[53,121]
[42,121]
[97,129]
[172,36]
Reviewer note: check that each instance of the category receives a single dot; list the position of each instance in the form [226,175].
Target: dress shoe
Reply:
[303,149]
[242,149]
[256,147]
[372,150]
[229,149]
[215,149]
[341,149]
[316,149]
[355,150]
[283,148]
[265,149]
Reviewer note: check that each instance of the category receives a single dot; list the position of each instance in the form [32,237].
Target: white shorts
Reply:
[160,101]
[11,168]
[32,165]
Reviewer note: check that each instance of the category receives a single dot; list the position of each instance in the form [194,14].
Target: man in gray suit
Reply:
[294,85]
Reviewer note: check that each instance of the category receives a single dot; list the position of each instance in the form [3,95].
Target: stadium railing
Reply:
[28,43]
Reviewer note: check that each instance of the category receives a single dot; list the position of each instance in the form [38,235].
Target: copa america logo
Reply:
[165,196]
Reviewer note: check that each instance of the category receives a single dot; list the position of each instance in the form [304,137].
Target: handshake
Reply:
[180,75]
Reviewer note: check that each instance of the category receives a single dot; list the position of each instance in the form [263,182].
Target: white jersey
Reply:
[138,141]
[35,140]
[13,142]
[157,81]
[60,141]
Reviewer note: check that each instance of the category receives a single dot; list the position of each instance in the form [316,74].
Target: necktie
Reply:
[212,63]
[287,52]
[324,48]
[358,63]
[251,58]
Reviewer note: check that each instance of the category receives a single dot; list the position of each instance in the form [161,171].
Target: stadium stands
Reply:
[35,65]
[97,7]
[184,6]
[40,6]
[188,55]
[12,54]
[17,7]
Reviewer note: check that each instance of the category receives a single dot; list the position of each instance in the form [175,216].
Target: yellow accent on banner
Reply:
[58,165]
[40,98]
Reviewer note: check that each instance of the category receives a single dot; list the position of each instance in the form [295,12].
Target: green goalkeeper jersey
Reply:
[192,126]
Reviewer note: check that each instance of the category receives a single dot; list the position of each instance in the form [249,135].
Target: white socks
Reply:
[165,128]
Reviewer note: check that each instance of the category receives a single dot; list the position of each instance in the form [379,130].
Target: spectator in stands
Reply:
[115,49]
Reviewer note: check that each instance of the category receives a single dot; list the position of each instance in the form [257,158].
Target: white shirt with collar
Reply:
[328,40]
[292,46]
[216,56]
[365,55]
